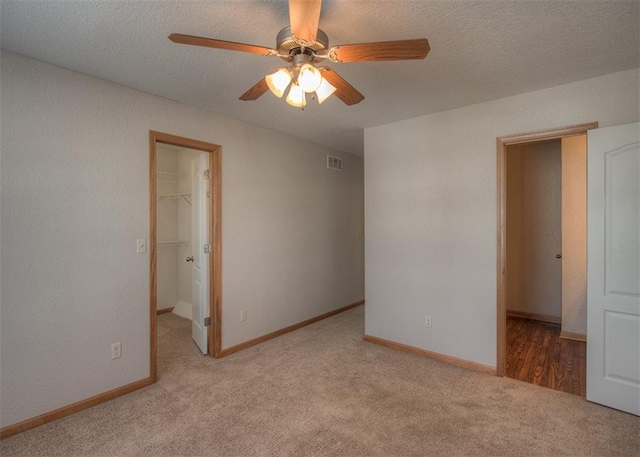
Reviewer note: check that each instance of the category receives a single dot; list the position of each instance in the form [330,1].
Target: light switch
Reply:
[142,246]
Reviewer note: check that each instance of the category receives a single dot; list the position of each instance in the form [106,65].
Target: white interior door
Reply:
[613,258]
[200,249]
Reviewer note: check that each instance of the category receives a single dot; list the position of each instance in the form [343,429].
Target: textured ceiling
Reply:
[480,50]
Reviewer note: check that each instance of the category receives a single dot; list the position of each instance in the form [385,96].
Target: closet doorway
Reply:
[185,239]
[542,258]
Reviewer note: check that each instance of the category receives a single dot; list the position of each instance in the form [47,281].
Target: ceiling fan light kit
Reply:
[278,81]
[301,78]
[309,78]
[296,96]
[303,44]
[324,91]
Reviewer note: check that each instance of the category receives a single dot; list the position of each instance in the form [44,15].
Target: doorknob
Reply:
[190,258]
[558,256]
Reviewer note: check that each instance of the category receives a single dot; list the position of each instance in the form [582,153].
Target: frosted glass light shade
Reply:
[278,81]
[324,91]
[296,96]
[309,78]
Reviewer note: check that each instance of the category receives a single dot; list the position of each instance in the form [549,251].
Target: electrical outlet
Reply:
[427,321]
[116,350]
[243,315]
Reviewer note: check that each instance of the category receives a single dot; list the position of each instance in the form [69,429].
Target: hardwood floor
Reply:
[536,354]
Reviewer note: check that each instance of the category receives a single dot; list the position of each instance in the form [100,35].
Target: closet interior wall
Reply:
[174,228]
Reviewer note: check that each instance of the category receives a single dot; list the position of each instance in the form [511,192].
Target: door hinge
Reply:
[205,174]
[207,322]
[207,248]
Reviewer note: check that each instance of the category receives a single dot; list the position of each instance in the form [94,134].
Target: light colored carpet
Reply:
[323,391]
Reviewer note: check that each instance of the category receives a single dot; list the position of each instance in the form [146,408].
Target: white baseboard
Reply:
[183,309]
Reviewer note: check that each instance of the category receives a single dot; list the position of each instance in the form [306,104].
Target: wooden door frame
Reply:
[214,333]
[502,143]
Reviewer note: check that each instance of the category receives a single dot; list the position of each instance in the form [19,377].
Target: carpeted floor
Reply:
[323,391]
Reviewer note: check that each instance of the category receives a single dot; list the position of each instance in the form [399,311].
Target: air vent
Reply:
[334,163]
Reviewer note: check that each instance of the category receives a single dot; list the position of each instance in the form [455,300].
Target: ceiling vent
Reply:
[334,163]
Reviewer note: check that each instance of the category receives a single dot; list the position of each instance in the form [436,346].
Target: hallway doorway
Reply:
[542,258]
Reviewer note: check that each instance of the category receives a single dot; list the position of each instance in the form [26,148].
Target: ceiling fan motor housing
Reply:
[288,46]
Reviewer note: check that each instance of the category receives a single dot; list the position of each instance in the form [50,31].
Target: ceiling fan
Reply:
[303,45]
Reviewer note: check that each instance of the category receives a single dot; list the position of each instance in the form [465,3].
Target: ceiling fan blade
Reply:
[383,50]
[344,91]
[220,44]
[256,91]
[304,16]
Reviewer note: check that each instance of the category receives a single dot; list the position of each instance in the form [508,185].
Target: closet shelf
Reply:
[171,175]
[185,195]
[172,243]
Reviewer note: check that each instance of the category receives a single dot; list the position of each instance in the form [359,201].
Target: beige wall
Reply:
[574,234]
[534,215]
[430,210]
[75,197]
[514,222]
